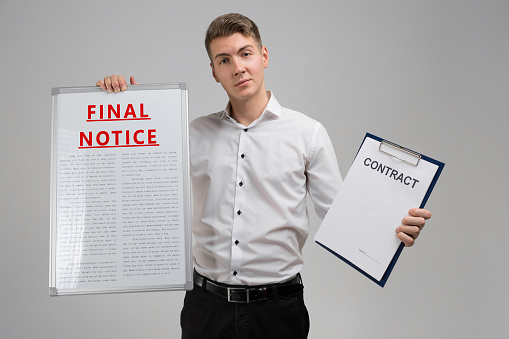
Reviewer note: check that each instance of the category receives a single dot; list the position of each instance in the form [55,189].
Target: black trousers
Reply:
[206,315]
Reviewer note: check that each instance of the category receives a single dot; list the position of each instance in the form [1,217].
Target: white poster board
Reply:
[120,201]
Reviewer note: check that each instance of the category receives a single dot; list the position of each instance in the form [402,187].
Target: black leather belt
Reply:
[248,294]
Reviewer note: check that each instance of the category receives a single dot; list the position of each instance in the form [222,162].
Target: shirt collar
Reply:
[273,108]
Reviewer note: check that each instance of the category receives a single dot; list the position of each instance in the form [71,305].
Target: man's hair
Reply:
[229,24]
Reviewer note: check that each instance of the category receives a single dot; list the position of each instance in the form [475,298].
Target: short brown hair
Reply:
[229,24]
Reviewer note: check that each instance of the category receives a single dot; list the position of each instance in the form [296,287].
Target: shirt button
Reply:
[241,183]
[242,155]
[245,129]
[239,212]
[234,272]
[236,242]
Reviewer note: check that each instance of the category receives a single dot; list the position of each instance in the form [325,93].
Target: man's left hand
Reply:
[411,225]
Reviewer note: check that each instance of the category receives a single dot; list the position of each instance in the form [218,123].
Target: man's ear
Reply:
[265,56]
[214,72]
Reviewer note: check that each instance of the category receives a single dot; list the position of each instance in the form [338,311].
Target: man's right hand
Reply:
[114,83]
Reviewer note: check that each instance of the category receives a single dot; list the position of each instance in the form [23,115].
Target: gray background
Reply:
[431,75]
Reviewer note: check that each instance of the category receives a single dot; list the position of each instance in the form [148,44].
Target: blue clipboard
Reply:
[418,156]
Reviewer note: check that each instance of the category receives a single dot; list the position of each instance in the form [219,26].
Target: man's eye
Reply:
[223,61]
[246,54]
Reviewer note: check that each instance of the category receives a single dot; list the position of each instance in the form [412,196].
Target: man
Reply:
[252,166]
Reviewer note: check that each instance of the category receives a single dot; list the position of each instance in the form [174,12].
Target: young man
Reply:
[252,166]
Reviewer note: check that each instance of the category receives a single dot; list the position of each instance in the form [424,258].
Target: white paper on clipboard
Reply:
[384,182]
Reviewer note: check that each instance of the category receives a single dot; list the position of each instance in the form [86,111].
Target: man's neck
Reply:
[245,112]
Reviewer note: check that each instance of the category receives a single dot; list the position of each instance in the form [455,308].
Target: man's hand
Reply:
[412,225]
[114,83]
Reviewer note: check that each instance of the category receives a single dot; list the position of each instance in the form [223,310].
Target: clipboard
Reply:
[385,178]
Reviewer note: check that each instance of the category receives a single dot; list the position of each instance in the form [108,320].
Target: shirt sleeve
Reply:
[322,171]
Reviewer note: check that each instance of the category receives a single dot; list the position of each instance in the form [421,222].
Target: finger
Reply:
[107,84]
[133,82]
[420,212]
[121,83]
[406,239]
[114,83]
[412,231]
[414,221]
[100,83]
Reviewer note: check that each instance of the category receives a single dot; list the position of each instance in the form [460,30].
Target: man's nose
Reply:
[238,67]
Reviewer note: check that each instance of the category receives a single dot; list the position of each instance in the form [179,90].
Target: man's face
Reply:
[238,64]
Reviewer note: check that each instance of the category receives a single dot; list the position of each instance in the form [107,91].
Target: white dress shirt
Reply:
[250,219]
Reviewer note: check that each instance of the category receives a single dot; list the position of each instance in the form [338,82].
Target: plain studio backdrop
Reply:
[430,75]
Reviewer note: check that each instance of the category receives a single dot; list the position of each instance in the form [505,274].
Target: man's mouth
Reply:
[242,82]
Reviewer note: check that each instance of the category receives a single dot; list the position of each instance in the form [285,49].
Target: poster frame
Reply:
[184,194]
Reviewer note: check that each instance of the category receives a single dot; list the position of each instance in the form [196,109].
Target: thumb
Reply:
[133,82]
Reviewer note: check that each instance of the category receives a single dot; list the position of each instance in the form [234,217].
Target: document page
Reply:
[376,194]
[119,186]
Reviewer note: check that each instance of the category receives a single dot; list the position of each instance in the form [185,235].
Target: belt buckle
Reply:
[232,289]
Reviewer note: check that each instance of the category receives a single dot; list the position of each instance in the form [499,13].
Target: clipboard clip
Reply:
[400,153]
